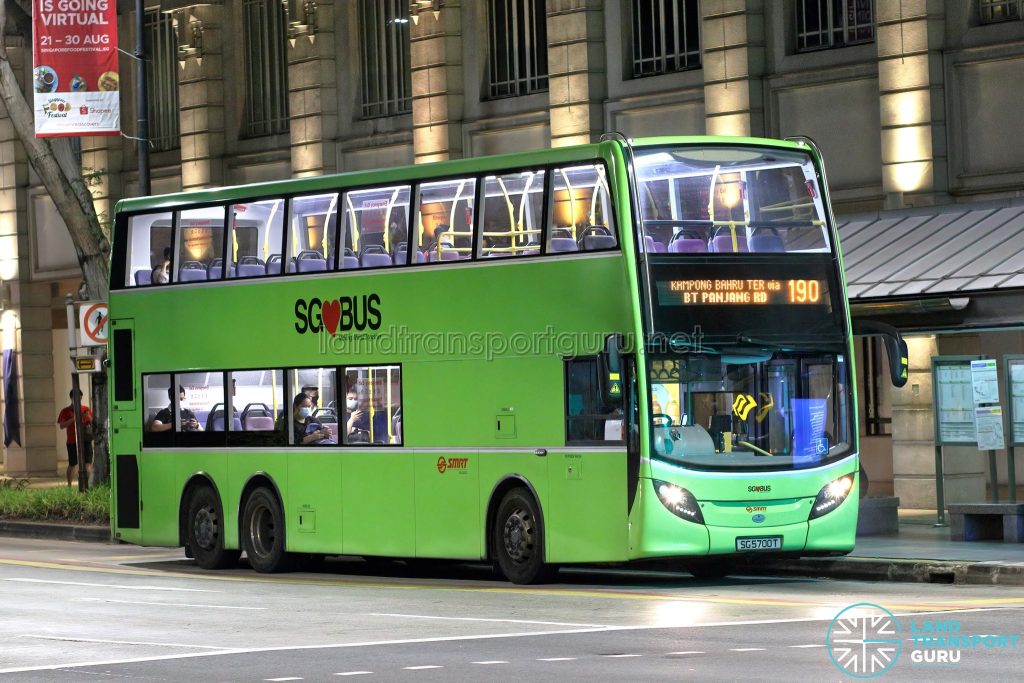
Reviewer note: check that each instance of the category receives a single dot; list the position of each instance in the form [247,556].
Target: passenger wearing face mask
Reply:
[357,422]
[307,431]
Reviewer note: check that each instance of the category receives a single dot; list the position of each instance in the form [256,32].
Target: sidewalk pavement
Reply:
[921,552]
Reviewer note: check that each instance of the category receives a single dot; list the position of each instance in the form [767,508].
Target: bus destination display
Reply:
[736,291]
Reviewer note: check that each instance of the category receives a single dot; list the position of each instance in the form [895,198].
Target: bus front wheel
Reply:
[518,540]
[263,533]
[206,530]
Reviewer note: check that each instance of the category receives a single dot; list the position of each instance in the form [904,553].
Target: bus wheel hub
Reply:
[205,528]
[518,536]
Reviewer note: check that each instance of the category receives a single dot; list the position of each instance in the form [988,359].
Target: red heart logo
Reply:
[331,315]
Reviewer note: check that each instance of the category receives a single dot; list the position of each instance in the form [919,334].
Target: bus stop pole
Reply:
[76,397]
[1011,474]
[939,497]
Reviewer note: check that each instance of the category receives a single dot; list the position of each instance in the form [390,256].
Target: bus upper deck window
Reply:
[149,249]
[581,217]
[444,220]
[255,238]
[513,208]
[312,234]
[200,244]
[375,231]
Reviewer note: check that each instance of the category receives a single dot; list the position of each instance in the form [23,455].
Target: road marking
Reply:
[441,639]
[425,666]
[938,606]
[557,659]
[620,656]
[286,678]
[165,604]
[687,652]
[746,649]
[353,673]
[502,621]
[811,645]
[112,585]
[493,661]
[119,642]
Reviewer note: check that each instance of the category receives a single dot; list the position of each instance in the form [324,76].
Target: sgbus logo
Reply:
[760,488]
[338,315]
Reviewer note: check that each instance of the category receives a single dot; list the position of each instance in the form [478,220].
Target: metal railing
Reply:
[265,29]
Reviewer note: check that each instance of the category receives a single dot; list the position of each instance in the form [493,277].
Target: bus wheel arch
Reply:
[201,526]
[515,498]
[261,525]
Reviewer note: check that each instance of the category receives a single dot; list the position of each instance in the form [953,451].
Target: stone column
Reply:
[201,94]
[577,76]
[437,93]
[312,90]
[910,68]
[734,63]
[25,318]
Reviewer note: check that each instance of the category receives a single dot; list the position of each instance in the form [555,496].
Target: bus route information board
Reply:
[954,402]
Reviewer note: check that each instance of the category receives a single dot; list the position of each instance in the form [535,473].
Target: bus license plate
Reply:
[759,543]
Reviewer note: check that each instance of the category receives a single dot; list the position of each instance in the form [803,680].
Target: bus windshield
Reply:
[721,199]
[750,408]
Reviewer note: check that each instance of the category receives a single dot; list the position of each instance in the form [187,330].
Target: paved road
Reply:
[71,611]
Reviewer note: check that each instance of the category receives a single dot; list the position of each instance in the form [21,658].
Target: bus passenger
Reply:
[357,422]
[163,422]
[162,273]
[307,431]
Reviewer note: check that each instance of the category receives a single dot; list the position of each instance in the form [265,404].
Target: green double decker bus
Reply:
[596,354]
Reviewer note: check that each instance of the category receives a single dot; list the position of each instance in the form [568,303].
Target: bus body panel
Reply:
[314,509]
[448,523]
[587,507]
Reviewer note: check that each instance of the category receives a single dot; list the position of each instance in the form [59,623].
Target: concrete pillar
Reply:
[437,92]
[201,94]
[577,75]
[913,441]
[912,93]
[313,91]
[25,319]
[733,55]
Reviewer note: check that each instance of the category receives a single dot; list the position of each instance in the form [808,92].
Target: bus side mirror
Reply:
[611,368]
[895,347]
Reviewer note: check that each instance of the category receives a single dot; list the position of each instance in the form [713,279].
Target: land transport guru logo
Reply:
[343,314]
[864,640]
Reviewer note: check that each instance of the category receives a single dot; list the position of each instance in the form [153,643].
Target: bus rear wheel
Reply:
[263,533]
[518,540]
[206,530]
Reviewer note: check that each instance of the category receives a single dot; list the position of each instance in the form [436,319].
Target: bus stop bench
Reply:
[987,521]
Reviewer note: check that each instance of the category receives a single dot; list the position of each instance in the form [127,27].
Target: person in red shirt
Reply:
[66,420]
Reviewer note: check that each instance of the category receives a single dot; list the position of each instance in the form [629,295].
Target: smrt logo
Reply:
[338,315]
[760,488]
[444,464]
[756,508]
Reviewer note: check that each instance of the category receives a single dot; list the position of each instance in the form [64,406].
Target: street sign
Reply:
[93,323]
[86,364]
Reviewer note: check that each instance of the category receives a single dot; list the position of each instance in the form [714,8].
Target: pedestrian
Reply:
[66,420]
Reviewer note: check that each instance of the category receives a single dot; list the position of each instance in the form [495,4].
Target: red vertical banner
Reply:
[75,80]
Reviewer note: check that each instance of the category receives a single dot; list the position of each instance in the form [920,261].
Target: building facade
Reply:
[914,103]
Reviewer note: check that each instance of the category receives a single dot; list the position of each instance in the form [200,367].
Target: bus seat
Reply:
[252,269]
[722,244]
[563,244]
[310,265]
[688,246]
[259,423]
[191,271]
[330,262]
[201,416]
[236,424]
[767,244]
[592,242]
[659,247]
[446,255]
[215,269]
[373,260]
[143,277]
[349,263]
[649,243]
[274,264]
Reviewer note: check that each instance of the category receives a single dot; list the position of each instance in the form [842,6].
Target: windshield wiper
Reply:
[744,341]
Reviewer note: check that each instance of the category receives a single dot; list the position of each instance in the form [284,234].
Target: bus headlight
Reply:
[679,501]
[831,495]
